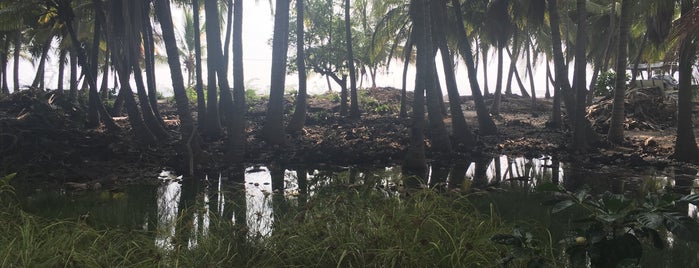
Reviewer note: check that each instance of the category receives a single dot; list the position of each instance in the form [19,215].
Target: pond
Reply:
[251,197]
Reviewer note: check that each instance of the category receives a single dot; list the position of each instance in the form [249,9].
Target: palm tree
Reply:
[616,126]
[486,126]
[461,131]
[299,118]
[189,134]
[500,28]
[580,140]
[213,47]
[415,162]
[273,130]
[687,32]
[236,135]
[354,102]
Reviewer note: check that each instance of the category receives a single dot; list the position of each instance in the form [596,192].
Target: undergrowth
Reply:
[346,228]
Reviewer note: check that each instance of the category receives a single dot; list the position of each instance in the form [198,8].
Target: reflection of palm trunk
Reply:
[438,177]
[302,178]
[555,173]
[458,174]
[185,213]
[480,177]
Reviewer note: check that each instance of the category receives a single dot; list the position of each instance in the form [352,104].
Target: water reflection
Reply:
[180,213]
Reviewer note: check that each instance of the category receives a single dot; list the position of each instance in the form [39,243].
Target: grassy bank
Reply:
[333,227]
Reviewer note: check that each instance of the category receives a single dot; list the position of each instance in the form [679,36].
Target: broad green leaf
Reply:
[651,220]
[692,199]
[682,226]
[562,205]
[549,187]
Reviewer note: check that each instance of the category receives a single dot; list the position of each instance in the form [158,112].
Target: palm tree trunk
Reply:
[343,96]
[229,32]
[531,73]
[73,74]
[637,61]
[17,47]
[299,118]
[486,89]
[612,32]
[149,116]
[415,162]
[580,141]
[61,69]
[685,144]
[354,102]
[149,63]
[408,48]
[616,126]
[3,63]
[438,131]
[561,71]
[213,120]
[39,77]
[510,73]
[273,130]
[547,95]
[104,87]
[191,143]
[495,108]
[236,137]
[485,122]
[461,131]
[199,87]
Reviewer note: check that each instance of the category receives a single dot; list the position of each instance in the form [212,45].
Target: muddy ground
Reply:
[42,137]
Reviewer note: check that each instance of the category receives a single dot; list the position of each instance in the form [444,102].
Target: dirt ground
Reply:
[41,137]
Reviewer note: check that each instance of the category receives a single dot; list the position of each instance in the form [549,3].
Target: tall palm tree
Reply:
[461,131]
[236,135]
[687,31]
[580,140]
[616,126]
[273,129]
[162,10]
[299,117]
[415,161]
[486,126]
[213,48]
[354,102]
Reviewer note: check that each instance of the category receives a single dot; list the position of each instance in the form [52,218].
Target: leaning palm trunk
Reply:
[485,122]
[190,138]
[616,126]
[461,131]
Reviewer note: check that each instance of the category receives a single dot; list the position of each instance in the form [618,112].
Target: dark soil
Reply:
[42,137]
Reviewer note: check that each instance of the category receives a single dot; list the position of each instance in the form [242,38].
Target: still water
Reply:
[249,197]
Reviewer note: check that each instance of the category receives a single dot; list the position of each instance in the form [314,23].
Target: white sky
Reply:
[258,24]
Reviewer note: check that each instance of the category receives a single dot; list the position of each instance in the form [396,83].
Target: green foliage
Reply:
[523,247]
[616,225]
[606,82]
[336,226]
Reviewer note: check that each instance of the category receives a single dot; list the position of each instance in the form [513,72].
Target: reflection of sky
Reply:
[536,170]
[168,200]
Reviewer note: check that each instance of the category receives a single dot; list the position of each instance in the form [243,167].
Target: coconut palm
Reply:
[299,117]
[354,102]
[686,32]
[616,126]
[485,122]
[273,130]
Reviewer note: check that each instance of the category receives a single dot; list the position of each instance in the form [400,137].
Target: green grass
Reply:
[338,226]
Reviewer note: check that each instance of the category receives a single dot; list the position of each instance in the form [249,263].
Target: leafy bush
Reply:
[606,82]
